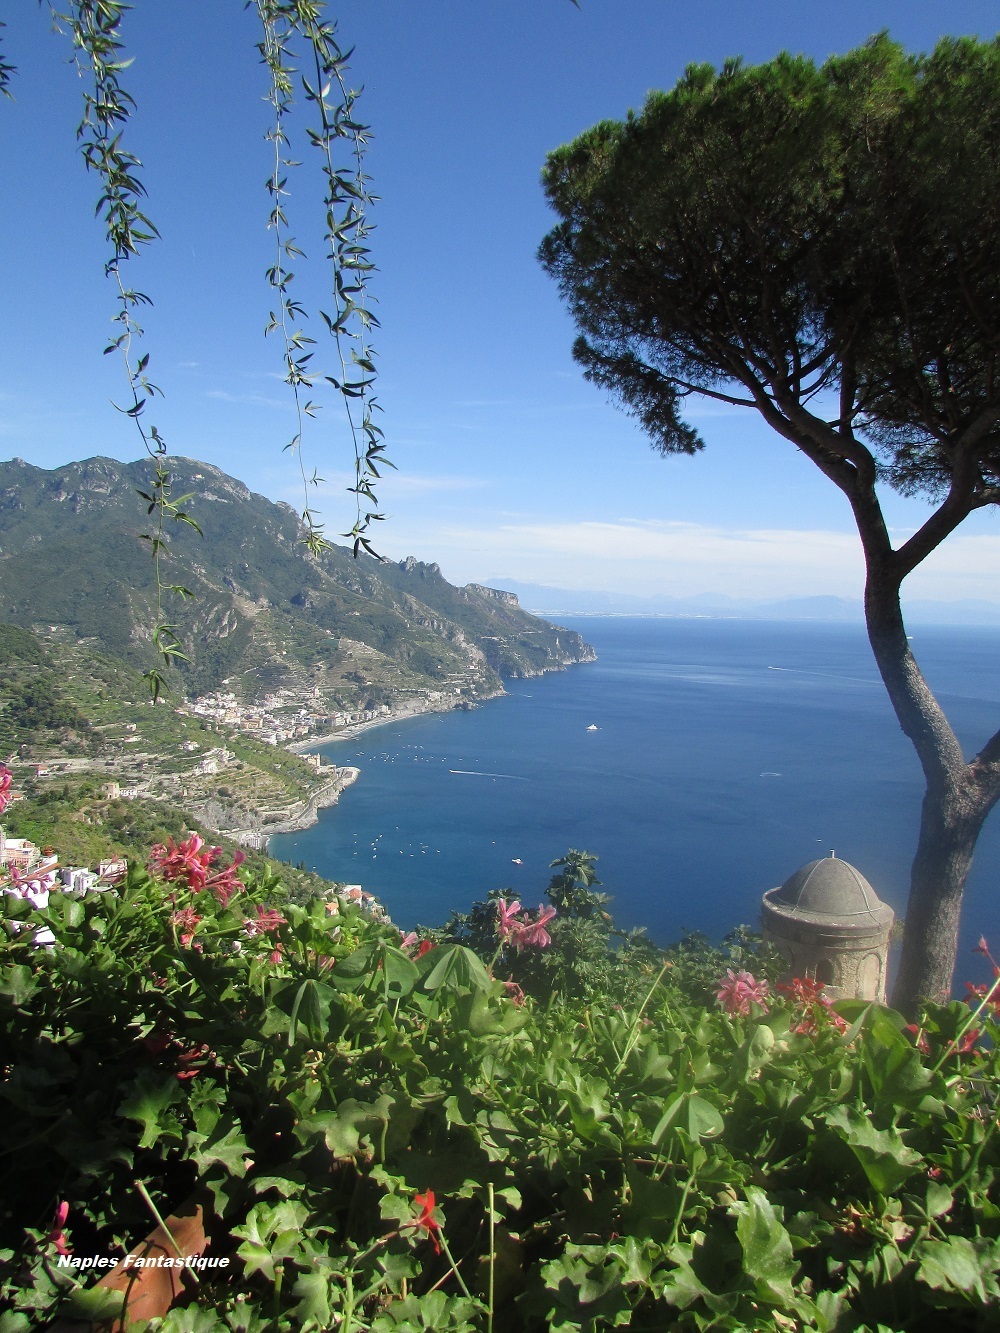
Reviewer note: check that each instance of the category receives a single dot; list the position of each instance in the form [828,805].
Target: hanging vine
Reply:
[94,28]
[346,203]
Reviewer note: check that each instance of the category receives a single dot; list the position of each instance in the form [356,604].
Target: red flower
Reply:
[57,1236]
[267,920]
[424,1221]
[919,1038]
[224,883]
[187,862]
[424,947]
[6,778]
[977,993]
[739,990]
[803,990]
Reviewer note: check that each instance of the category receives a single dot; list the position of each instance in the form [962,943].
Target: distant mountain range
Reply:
[568,601]
[264,610]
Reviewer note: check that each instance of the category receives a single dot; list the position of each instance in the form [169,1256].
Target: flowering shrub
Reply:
[391,1142]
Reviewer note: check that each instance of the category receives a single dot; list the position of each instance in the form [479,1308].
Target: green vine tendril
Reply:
[346,202]
[94,27]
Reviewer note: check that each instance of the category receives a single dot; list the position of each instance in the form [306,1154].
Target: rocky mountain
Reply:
[265,612]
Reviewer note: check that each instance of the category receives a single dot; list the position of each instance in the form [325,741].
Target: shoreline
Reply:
[356,728]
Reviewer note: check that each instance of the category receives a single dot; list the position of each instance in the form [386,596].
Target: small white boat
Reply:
[516,861]
[593,727]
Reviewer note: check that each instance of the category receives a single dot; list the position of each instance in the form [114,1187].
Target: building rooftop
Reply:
[828,891]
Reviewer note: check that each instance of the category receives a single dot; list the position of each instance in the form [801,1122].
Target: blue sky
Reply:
[510,465]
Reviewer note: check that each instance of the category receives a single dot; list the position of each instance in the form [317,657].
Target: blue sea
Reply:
[726,755]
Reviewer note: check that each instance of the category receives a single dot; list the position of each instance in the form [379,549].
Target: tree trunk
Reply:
[957,799]
[949,827]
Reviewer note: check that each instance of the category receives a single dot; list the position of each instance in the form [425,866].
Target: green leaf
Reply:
[767,1248]
[225,1147]
[703,1120]
[313,1293]
[153,1094]
[94,1304]
[342,1129]
[962,1268]
[885,1158]
[17,983]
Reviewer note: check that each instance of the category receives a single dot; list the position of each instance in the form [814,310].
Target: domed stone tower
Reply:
[830,924]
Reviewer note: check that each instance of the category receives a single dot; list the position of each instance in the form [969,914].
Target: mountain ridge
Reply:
[265,610]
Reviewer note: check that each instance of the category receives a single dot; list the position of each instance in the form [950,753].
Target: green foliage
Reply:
[593,1165]
[35,705]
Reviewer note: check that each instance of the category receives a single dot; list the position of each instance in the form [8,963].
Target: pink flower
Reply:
[188,920]
[267,920]
[505,917]
[57,1236]
[534,932]
[409,940]
[514,992]
[808,995]
[739,990]
[6,778]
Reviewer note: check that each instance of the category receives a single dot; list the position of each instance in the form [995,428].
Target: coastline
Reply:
[356,728]
[309,814]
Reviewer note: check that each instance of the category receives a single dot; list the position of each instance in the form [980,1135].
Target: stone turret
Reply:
[830,924]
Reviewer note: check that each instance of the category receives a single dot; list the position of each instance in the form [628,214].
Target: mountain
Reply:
[265,613]
[575,601]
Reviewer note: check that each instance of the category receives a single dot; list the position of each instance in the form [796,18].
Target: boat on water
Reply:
[593,727]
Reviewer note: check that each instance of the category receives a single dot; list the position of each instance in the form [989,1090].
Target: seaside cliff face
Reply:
[266,614]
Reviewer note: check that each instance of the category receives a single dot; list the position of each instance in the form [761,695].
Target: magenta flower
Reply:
[6,778]
[739,990]
[267,920]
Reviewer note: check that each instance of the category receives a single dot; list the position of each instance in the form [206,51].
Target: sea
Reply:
[701,760]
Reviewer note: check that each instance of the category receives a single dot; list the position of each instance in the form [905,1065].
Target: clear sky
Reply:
[510,465]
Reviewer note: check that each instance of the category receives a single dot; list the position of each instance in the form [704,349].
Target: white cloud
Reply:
[684,559]
[254,399]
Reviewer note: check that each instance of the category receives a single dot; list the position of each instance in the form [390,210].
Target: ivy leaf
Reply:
[225,1147]
[313,1291]
[962,1268]
[767,1248]
[886,1160]
[152,1096]
[342,1129]
[17,983]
